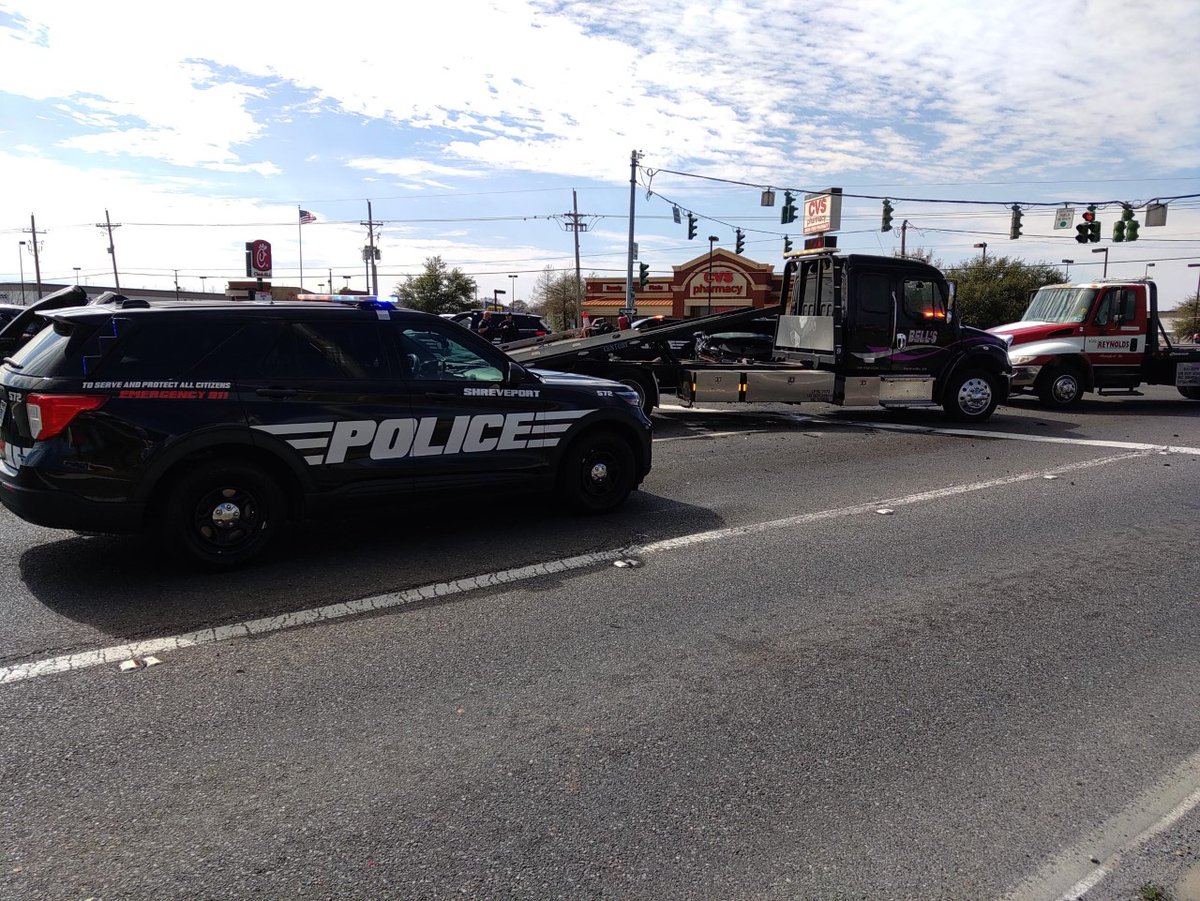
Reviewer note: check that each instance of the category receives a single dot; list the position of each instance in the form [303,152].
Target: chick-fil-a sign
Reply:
[258,258]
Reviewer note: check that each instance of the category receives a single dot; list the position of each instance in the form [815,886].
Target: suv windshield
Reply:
[1060,305]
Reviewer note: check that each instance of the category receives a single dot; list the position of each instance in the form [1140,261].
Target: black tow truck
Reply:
[853,330]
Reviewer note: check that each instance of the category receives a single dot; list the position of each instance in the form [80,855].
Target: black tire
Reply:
[1191,392]
[1061,387]
[223,513]
[647,396]
[971,396]
[597,472]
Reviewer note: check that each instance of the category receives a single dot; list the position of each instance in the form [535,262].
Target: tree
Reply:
[994,291]
[554,298]
[921,254]
[1187,318]
[437,289]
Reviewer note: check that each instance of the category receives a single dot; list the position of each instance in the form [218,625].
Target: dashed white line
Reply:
[86,659]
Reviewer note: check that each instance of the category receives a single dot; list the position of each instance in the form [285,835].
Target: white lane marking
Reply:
[809,419]
[69,662]
[1041,439]
[703,435]
[1111,841]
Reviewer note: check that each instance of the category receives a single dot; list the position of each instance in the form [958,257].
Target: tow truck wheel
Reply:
[646,397]
[1061,387]
[971,396]
[222,513]
[597,472]
[1191,392]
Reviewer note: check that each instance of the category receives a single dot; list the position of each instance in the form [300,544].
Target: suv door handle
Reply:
[277,392]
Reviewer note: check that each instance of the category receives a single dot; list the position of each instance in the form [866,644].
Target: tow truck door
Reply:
[1114,339]
[923,331]
[870,320]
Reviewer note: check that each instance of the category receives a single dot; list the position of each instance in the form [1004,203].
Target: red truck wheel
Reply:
[1061,387]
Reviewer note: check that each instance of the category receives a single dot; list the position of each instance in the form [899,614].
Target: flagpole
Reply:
[300,236]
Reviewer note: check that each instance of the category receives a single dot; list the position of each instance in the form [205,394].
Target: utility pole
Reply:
[633,164]
[110,225]
[37,263]
[371,252]
[572,320]
[903,239]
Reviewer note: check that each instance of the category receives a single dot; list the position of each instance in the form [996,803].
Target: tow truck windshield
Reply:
[1060,304]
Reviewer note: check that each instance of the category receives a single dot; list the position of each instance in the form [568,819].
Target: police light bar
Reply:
[337,298]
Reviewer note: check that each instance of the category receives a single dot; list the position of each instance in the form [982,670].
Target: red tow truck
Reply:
[1103,336]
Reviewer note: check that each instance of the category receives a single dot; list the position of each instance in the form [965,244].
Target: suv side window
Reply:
[167,350]
[326,349]
[434,354]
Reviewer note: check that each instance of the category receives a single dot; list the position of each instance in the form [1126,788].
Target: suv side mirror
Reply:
[513,375]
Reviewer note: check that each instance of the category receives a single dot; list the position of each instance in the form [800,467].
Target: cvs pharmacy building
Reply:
[695,288]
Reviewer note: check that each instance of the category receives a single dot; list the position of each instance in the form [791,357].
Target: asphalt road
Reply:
[986,691]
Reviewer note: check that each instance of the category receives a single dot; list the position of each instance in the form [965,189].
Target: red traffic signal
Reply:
[1089,215]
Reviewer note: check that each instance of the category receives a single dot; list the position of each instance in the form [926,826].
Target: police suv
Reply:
[213,423]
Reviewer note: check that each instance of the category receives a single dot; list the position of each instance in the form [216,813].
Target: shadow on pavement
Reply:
[128,588]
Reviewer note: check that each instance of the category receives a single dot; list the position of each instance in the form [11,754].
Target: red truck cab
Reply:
[1102,336]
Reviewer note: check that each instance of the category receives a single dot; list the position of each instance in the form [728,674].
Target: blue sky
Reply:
[468,124]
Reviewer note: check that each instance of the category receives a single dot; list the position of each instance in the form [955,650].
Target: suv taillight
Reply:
[49,414]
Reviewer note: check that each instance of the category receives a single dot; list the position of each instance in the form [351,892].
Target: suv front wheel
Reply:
[223,513]
[597,472]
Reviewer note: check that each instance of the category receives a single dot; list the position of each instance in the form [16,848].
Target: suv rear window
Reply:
[62,349]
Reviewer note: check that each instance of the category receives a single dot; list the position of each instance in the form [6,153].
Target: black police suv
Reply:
[213,423]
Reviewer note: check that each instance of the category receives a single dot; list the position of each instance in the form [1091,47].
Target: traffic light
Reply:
[787,243]
[691,226]
[1118,231]
[1081,232]
[788,214]
[1014,229]
[1130,224]
[1090,230]
[739,243]
[643,274]
[886,226]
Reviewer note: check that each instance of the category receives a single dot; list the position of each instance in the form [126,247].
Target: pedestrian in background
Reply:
[487,327]
[509,330]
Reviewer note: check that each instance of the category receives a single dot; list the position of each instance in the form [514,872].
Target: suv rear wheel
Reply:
[597,472]
[223,513]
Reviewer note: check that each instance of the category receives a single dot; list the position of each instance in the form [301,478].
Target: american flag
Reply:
[306,217]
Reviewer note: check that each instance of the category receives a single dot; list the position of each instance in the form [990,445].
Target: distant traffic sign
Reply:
[1064,217]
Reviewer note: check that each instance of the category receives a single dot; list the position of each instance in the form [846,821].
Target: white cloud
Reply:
[767,91]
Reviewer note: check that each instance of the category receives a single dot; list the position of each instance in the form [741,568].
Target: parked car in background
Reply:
[528,325]
[8,312]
